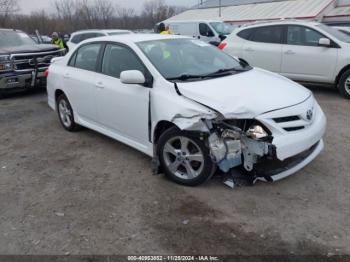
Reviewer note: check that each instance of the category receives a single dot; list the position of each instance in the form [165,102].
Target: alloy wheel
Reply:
[183,157]
[65,113]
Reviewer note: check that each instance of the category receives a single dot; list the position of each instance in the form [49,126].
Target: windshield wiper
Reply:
[223,72]
[185,77]
[218,73]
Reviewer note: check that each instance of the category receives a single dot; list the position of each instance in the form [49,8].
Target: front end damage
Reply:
[232,143]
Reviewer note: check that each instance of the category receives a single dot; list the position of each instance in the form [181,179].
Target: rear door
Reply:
[264,48]
[79,79]
[303,59]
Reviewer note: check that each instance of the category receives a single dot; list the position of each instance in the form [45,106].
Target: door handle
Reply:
[100,85]
[249,49]
[290,52]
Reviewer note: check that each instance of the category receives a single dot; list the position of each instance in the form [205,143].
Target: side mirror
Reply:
[132,77]
[210,34]
[324,42]
[222,37]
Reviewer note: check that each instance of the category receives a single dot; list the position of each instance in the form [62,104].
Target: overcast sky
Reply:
[27,6]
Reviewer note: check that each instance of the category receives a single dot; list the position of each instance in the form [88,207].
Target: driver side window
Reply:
[118,58]
[304,36]
[205,30]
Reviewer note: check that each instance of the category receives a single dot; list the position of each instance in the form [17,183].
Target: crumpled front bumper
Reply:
[290,166]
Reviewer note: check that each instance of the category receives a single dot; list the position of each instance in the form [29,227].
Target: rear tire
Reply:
[66,114]
[344,84]
[184,158]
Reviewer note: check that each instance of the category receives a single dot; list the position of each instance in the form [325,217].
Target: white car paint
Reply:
[107,32]
[130,113]
[314,64]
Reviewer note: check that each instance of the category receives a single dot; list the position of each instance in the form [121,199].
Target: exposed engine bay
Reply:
[232,143]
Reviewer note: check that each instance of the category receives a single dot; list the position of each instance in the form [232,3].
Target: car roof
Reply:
[192,21]
[278,22]
[135,38]
[100,31]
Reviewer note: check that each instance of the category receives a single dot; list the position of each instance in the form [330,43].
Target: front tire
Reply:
[65,114]
[185,158]
[344,84]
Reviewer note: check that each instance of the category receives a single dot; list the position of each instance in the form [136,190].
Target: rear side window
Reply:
[76,39]
[268,34]
[87,56]
[245,34]
[118,58]
[81,37]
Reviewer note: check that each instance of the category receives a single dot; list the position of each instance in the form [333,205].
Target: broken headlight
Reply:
[257,132]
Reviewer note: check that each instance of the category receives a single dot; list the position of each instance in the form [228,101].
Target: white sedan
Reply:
[189,106]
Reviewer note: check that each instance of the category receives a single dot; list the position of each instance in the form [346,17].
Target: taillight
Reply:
[222,45]
[46,73]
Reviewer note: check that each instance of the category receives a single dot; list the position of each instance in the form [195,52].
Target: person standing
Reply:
[164,30]
[56,40]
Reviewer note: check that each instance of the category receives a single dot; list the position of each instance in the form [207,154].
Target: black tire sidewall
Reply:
[208,163]
[73,126]
[341,85]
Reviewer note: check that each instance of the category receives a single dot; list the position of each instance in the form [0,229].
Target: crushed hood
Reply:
[247,94]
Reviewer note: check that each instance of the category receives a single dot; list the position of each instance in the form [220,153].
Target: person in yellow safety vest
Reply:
[56,40]
[164,30]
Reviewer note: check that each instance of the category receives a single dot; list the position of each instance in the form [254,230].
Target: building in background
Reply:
[247,11]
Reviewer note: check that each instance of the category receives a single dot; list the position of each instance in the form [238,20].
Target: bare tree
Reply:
[73,15]
[104,11]
[125,15]
[155,11]
[65,11]
[7,7]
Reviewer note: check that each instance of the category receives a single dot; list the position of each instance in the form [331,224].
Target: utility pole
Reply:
[219,8]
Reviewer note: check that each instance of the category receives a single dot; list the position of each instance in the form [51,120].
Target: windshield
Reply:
[334,32]
[13,39]
[222,28]
[344,32]
[184,59]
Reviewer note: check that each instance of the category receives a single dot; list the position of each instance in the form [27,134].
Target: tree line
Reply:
[72,15]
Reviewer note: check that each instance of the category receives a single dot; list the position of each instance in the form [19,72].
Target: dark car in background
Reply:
[22,61]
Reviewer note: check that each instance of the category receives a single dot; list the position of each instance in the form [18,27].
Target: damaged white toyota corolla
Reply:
[189,106]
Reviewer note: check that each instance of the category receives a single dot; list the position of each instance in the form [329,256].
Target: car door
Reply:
[302,57]
[264,48]
[79,80]
[123,108]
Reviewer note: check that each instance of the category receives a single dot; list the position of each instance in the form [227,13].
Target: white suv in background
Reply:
[307,52]
[80,36]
